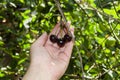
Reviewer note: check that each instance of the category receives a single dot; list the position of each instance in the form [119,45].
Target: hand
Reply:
[48,60]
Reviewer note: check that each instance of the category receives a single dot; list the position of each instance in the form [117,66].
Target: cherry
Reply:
[53,38]
[60,42]
[67,38]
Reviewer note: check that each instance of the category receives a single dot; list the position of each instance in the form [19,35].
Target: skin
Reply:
[48,60]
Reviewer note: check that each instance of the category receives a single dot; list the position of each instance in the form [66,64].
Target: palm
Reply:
[50,56]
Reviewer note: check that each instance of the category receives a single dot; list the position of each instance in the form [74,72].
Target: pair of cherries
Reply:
[60,41]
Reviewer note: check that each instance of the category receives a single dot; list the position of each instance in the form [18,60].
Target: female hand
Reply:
[48,60]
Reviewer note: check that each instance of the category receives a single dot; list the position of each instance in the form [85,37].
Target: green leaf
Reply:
[22,61]
[100,40]
[111,12]
[86,67]
[110,42]
[2,74]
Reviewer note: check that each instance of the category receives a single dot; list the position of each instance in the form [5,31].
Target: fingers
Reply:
[66,51]
[72,32]
[68,48]
[41,40]
[68,23]
[58,32]
[55,29]
[69,45]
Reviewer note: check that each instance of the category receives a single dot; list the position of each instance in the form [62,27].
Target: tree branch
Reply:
[63,16]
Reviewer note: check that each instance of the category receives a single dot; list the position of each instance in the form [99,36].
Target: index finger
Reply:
[69,45]
[55,29]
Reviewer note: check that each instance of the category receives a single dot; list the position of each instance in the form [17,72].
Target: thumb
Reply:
[41,40]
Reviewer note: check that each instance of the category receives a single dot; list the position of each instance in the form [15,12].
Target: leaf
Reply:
[77,63]
[111,12]
[1,43]
[86,67]
[110,42]
[22,61]
[2,74]
[100,40]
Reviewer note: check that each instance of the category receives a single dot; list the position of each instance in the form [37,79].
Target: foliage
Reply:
[96,53]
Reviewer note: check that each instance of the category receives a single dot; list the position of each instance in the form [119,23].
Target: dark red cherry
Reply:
[53,38]
[60,42]
[67,38]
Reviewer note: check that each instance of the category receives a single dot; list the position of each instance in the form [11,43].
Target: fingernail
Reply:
[45,33]
[69,22]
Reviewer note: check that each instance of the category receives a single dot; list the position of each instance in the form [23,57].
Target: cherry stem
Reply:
[68,32]
[63,16]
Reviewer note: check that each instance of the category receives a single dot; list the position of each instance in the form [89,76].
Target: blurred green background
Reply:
[96,53]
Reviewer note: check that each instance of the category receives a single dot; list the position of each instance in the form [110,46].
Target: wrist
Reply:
[35,72]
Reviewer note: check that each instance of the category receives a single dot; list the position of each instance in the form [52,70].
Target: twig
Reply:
[115,8]
[81,63]
[97,77]
[91,67]
[63,16]
[115,36]
[101,12]
[65,20]
[104,14]
[60,10]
